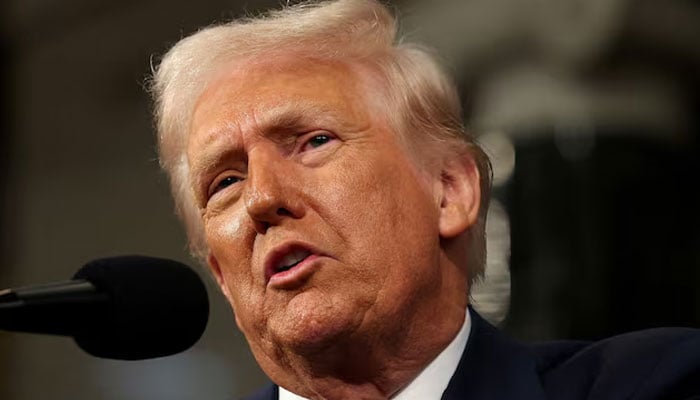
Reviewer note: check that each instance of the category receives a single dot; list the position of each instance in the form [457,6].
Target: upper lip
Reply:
[277,254]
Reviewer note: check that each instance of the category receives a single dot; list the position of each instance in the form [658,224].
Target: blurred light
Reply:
[500,150]
[491,295]
[181,377]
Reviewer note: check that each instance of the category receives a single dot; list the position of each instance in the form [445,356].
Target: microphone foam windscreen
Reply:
[156,307]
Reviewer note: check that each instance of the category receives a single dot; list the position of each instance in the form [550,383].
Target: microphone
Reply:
[125,308]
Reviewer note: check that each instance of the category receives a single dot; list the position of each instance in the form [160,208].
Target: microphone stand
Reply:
[53,308]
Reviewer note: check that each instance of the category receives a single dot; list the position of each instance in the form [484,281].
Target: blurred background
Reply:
[590,110]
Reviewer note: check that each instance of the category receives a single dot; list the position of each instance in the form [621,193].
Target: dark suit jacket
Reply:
[651,364]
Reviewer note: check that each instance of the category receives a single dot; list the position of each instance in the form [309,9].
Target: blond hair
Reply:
[422,100]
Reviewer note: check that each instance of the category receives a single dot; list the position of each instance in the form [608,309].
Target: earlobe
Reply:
[461,195]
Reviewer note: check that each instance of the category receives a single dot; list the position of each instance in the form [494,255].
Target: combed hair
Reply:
[421,101]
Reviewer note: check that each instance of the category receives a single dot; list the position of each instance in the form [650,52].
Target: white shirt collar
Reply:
[433,380]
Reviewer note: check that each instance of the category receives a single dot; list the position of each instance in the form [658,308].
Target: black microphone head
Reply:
[156,307]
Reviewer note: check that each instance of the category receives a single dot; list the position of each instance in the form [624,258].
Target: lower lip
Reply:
[296,276]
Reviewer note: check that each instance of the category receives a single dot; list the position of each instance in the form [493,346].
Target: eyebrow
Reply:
[207,163]
[275,123]
[299,115]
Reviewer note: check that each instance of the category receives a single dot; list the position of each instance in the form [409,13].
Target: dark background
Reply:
[589,110]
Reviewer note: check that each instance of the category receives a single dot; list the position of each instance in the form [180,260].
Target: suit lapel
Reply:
[493,367]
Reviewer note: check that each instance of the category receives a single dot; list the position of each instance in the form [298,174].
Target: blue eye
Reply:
[319,140]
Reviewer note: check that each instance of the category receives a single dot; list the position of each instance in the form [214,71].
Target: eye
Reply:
[316,141]
[221,184]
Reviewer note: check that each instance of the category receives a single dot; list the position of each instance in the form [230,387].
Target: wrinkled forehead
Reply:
[261,94]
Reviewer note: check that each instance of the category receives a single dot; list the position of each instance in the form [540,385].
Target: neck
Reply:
[363,367]
[365,370]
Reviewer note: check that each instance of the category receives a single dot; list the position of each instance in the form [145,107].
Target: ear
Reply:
[461,195]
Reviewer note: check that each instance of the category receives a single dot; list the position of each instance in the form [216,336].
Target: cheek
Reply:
[372,202]
[225,220]
[224,233]
[230,243]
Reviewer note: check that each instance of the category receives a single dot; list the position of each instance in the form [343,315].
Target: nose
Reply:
[271,193]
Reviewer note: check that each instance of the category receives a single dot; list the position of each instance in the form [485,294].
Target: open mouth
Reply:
[286,266]
[291,260]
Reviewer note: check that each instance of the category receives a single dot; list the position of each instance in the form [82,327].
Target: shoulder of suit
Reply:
[652,362]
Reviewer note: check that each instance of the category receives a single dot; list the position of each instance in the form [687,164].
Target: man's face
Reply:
[320,225]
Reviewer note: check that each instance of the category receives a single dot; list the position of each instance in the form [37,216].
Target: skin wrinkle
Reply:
[366,301]
[370,87]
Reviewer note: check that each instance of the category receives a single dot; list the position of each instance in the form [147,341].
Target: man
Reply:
[324,176]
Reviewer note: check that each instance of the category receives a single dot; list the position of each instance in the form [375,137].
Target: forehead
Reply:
[258,93]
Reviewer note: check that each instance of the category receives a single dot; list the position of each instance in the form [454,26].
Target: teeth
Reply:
[292,259]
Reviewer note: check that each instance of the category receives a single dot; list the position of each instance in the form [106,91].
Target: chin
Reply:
[309,327]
